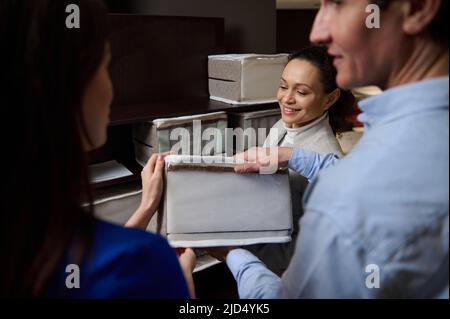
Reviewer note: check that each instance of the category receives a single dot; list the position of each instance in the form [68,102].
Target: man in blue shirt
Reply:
[376,222]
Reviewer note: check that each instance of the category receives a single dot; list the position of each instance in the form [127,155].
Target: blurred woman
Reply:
[55,85]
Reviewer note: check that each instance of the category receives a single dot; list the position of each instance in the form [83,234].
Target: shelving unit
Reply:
[159,69]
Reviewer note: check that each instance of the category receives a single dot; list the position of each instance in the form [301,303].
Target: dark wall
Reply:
[293,28]
[250,25]
[118,6]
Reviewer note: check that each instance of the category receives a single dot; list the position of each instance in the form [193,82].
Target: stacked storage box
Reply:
[245,78]
[117,203]
[259,121]
[185,133]
[207,204]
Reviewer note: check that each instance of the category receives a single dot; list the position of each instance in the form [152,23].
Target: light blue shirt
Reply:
[376,222]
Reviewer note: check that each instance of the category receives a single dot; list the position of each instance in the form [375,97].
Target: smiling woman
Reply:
[313,108]
[313,111]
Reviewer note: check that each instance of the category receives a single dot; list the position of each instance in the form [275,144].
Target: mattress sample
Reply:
[207,204]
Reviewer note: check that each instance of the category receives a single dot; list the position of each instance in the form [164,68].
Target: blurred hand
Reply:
[152,188]
[152,182]
[187,259]
[263,160]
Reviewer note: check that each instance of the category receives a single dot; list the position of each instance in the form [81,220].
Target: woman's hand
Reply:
[152,182]
[262,160]
[152,188]
[188,260]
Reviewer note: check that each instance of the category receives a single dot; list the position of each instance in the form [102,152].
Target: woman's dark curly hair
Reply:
[341,111]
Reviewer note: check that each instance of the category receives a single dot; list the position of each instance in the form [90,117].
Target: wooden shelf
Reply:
[147,112]
[159,69]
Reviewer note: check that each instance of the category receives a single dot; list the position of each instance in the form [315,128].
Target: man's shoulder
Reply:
[379,177]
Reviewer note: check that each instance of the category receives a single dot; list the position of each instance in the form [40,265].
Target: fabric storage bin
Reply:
[155,136]
[207,204]
[263,119]
[245,78]
[118,202]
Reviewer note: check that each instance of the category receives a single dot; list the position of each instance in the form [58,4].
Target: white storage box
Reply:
[245,78]
[155,136]
[117,203]
[263,120]
[206,204]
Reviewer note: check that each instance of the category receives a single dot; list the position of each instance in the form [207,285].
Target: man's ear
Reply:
[418,14]
[332,98]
